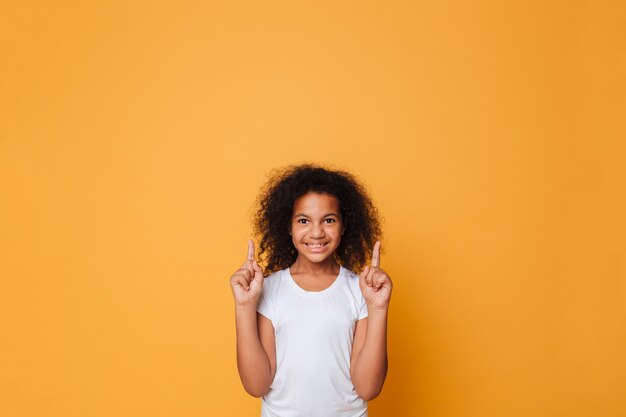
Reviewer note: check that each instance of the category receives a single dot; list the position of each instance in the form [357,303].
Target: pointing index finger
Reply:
[376,254]
[250,250]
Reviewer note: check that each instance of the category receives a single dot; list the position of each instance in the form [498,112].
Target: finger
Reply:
[250,257]
[247,265]
[244,283]
[247,275]
[239,280]
[379,280]
[251,249]
[376,254]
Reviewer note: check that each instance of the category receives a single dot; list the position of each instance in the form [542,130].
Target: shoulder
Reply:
[273,282]
[353,291]
[352,278]
[274,277]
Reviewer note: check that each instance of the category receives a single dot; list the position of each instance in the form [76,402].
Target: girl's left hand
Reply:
[375,283]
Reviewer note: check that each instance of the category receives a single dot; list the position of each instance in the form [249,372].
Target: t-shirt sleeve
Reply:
[264,307]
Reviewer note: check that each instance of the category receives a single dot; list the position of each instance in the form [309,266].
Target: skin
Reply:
[316,219]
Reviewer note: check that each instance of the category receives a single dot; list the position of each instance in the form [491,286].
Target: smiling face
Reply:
[316,227]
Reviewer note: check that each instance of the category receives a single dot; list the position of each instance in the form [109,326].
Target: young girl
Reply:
[312,336]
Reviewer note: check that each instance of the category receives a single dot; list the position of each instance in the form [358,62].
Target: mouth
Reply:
[316,245]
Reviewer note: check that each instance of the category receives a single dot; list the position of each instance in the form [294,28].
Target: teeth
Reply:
[316,246]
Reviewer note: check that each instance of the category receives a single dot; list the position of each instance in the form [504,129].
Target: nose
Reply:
[317,230]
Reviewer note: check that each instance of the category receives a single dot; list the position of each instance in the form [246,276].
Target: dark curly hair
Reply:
[275,208]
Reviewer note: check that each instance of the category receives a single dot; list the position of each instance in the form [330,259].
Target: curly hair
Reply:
[275,208]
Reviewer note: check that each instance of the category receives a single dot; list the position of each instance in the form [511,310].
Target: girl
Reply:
[312,335]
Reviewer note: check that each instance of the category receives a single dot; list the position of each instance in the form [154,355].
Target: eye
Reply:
[301,221]
[330,220]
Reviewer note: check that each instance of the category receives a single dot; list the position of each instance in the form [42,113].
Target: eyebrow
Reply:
[325,215]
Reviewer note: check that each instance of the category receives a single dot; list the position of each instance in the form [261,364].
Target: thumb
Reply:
[362,276]
[257,269]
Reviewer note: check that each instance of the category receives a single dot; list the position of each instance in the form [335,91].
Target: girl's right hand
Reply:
[247,281]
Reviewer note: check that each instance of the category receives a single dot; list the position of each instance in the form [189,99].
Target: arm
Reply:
[254,335]
[256,357]
[368,364]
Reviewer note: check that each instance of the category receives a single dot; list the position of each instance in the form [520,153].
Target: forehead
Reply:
[313,202]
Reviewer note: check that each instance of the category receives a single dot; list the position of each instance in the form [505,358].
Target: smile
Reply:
[317,245]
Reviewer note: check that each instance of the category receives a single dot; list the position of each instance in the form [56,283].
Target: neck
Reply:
[303,265]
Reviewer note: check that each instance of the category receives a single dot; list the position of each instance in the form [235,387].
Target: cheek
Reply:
[296,234]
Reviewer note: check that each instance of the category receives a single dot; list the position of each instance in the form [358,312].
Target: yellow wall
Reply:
[134,136]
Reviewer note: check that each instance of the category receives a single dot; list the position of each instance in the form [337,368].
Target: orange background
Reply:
[135,135]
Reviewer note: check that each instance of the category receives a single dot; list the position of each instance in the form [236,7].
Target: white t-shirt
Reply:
[314,332]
